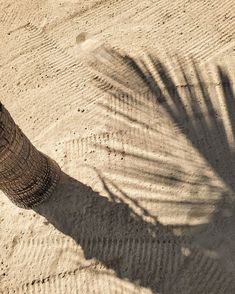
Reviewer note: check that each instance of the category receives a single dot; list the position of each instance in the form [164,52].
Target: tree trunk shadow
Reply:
[147,254]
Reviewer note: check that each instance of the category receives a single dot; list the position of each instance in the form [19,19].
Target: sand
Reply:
[134,100]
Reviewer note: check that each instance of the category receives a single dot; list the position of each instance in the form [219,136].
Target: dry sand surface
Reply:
[134,100]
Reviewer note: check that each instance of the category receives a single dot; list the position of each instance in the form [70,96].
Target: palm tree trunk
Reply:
[27,176]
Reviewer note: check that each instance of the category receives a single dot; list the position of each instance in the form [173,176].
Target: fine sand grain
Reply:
[135,102]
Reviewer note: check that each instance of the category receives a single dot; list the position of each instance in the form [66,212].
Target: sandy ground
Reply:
[134,100]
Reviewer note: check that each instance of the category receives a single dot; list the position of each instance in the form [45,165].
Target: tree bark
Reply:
[27,176]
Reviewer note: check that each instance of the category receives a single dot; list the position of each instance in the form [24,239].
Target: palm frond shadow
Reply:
[199,119]
[149,253]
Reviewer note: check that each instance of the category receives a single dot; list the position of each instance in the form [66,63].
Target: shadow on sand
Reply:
[150,254]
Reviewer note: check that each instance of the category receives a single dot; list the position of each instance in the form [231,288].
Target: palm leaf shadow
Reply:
[146,253]
[203,126]
[194,126]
